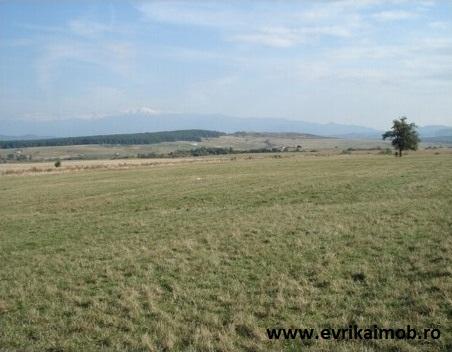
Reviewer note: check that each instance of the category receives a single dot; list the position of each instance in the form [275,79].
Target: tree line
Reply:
[123,139]
[204,151]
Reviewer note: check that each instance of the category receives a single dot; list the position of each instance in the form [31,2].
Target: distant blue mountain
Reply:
[139,122]
[435,131]
[22,138]
[149,122]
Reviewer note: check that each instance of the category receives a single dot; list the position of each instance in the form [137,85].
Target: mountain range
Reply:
[136,122]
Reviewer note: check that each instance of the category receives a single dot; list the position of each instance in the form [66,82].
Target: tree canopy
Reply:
[403,135]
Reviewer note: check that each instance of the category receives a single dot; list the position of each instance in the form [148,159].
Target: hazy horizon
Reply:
[139,112]
[347,62]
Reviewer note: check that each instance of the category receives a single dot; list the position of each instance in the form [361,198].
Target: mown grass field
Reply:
[206,256]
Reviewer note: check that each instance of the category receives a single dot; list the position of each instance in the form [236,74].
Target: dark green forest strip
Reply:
[124,139]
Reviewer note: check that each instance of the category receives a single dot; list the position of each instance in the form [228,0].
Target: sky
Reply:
[361,62]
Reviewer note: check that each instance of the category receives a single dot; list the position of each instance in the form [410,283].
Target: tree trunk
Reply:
[400,152]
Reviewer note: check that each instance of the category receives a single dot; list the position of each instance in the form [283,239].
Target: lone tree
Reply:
[403,136]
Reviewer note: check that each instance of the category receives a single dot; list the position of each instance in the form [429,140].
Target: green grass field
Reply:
[206,256]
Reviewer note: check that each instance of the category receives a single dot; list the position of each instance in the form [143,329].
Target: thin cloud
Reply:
[441,25]
[88,28]
[273,37]
[113,56]
[287,37]
[191,13]
[395,15]
[282,27]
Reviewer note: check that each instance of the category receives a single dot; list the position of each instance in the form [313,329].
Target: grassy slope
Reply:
[206,256]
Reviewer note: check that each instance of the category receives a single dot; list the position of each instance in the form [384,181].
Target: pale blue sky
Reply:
[352,61]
